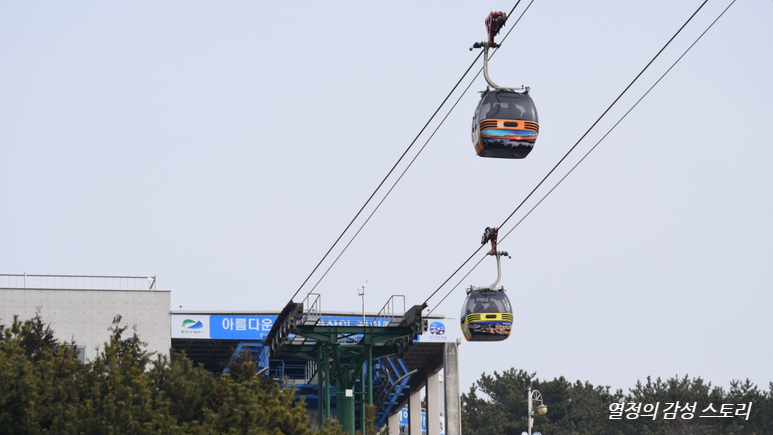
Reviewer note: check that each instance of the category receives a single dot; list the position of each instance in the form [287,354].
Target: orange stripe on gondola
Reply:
[500,124]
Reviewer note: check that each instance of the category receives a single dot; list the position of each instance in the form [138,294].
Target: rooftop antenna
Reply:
[361,292]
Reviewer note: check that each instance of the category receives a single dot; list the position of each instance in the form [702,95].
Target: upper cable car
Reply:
[505,124]
[487,314]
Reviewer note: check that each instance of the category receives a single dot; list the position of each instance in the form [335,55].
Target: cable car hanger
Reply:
[490,235]
[494,23]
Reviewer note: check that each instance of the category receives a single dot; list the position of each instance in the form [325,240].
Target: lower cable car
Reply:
[487,314]
[505,124]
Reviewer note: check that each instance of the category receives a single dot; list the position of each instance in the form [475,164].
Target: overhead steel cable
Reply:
[391,188]
[393,168]
[440,124]
[572,148]
[589,151]
[384,180]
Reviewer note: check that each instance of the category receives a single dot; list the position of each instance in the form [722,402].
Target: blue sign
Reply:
[248,327]
[240,327]
[245,327]
[350,321]
[403,420]
[437,328]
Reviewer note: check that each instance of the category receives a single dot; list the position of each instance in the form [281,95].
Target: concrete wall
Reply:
[86,315]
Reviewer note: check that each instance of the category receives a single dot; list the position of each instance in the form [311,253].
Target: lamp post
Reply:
[541,409]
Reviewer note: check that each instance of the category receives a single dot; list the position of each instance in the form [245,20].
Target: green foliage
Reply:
[332,428]
[573,408]
[498,405]
[47,390]
[370,420]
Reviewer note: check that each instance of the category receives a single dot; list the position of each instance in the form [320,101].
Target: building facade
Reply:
[82,308]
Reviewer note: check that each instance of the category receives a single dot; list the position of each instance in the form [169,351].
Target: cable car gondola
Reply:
[487,314]
[505,124]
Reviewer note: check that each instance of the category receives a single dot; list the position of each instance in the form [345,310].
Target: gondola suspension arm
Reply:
[494,22]
[490,235]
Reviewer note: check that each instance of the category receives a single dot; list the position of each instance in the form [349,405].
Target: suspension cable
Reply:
[586,154]
[573,147]
[384,180]
[394,167]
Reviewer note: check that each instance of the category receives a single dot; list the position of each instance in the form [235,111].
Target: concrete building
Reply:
[82,308]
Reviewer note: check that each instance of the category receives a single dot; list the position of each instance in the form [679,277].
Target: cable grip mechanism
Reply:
[490,235]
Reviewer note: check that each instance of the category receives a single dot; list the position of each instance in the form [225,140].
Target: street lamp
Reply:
[541,409]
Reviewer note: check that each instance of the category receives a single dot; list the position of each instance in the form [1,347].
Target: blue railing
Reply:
[258,351]
[392,377]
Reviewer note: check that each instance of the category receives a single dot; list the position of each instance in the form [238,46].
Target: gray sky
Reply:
[225,146]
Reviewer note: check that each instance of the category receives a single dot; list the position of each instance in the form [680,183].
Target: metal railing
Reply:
[312,304]
[278,369]
[390,311]
[78,282]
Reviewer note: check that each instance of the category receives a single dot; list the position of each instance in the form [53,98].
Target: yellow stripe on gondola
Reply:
[488,317]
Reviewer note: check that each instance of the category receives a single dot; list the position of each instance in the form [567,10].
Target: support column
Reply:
[393,421]
[452,390]
[433,404]
[320,388]
[345,408]
[369,377]
[414,412]
[326,358]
